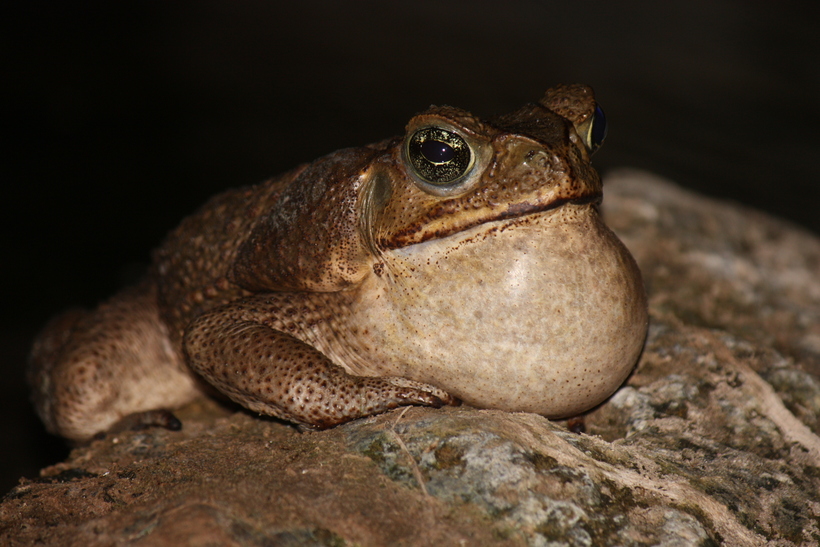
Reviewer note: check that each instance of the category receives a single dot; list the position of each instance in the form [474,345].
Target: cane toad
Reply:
[466,260]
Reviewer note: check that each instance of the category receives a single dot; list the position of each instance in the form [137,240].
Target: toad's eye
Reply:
[597,131]
[439,156]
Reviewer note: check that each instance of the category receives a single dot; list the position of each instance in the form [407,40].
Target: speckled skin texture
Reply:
[352,285]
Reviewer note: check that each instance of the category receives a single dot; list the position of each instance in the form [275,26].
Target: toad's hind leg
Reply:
[274,373]
[89,370]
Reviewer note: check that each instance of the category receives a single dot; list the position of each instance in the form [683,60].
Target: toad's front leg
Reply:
[272,372]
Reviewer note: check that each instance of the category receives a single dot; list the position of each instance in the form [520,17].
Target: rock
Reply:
[713,439]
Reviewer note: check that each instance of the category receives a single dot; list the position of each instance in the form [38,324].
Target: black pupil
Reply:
[437,151]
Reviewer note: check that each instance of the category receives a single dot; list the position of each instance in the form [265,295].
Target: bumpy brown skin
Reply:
[323,295]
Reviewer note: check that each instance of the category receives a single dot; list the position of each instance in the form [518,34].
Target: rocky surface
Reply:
[712,441]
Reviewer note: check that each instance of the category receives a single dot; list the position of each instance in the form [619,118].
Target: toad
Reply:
[464,261]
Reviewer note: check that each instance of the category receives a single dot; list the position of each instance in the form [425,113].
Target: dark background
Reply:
[122,118]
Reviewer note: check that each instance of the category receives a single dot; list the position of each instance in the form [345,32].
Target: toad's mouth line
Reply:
[513,211]
[519,210]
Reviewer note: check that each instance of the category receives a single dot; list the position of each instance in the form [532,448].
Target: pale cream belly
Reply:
[543,314]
